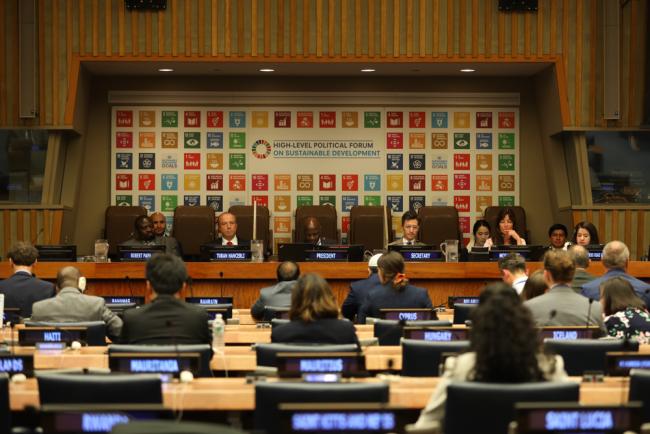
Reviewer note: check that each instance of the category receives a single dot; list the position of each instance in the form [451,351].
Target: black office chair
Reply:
[422,358]
[492,404]
[5,411]
[272,312]
[463,312]
[582,355]
[389,332]
[278,322]
[640,391]
[266,353]
[99,389]
[268,396]
[95,330]
[204,350]
[172,427]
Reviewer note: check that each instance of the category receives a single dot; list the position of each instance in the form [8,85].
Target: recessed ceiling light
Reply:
[367,70]
[267,70]
[165,70]
[468,70]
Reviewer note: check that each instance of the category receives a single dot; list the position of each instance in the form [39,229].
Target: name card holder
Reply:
[31,336]
[415,314]
[341,364]
[619,363]
[17,364]
[155,363]
[436,334]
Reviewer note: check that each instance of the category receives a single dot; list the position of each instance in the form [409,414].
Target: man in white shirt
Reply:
[513,271]
[227,227]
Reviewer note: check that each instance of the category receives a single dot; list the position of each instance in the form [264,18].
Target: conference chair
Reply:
[172,427]
[98,389]
[640,391]
[275,322]
[437,224]
[95,330]
[463,312]
[327,217]
[491,212]
[266,353]
[423,358]
[5,412]
[274,312]
[244,214]
[118,225]
[204,351]
[193,227]
[370,226]
[389,332]
[268,396]
[582,355]
[488,408]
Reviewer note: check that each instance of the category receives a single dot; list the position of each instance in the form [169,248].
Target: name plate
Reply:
[230,255]
[96,418]
[213,310]
[566,333]
[154,363]
[436,334]
[17,364]
[620,363]
[408,314]
[209,301]
[301,364]
[327,255]
[422,255]
[117,299]
[30,336]
[451,301]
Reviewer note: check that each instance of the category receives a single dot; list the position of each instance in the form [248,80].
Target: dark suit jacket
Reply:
[22,290]
[166,320]
[580,278]
[384,297]
[278,295]
[240,242]
[357,295]
[322,331]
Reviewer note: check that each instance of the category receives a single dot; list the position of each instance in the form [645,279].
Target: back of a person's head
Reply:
[580,256]
[287,271]
[68,277]
[392,267]
[312,299]
[166,273]
[560,265]
[513,262]
[23,254]
[617,295]
[535,285]
[504,338]
[615,255]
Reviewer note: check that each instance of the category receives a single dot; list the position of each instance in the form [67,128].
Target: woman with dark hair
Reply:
[504,348]
[480,235]
[584,234]
[626,315]
[505,234]
[535,285]
[394,291]
[314,316]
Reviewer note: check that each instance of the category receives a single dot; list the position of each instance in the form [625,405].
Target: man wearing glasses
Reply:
[410,228]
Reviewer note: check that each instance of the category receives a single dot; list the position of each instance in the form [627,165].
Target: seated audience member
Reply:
[143,235]
[580,256]
[584,234]
[314,316]
[394,290]
[615,259]
[504,233]
[561,306]
[535,286]
[312,234]
[359,290]
[557,235]
[278,295]
[71,305]
[410,229]
[480,235]
[227,228]
[625,313]
[504,348]
[513,271]
[167,319]
[22,288]
[159,229]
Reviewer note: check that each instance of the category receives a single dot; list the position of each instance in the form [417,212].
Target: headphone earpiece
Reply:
[82,284]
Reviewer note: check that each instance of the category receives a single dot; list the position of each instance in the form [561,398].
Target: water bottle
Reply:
[218,329]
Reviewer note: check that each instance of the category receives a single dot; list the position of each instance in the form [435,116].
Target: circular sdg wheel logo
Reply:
[261,149]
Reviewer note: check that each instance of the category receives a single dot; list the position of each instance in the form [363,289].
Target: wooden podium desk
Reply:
[230,394]
[242,280]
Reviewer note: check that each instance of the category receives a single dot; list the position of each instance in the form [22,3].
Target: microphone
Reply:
[128,285]
[591,300]
[38,234]
[551,316]
[221,283]
[184,375]
[189,283]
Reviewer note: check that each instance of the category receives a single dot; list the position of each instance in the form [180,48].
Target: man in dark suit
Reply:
[22,288]
[167,319]
[410,229]
[278,295]
[312,228]
[144,235]
[359,290]
[580,256]
[160,233]
[227,227]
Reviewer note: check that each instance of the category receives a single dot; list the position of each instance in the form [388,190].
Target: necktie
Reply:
[229,243]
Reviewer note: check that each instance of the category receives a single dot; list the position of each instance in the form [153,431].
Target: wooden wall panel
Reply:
[328,30]
[38,225]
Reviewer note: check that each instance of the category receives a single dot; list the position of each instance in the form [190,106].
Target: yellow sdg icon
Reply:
[261,149]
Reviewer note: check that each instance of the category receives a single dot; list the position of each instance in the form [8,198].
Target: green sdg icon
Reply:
[371,119]
[506,162]
[372,200]
[169,202]
[170,119]
[327,200]
[123,200]
[192,140]
[506,201]
[461,141]
[304,200]
[237,162]
[237,140]
[506,141]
